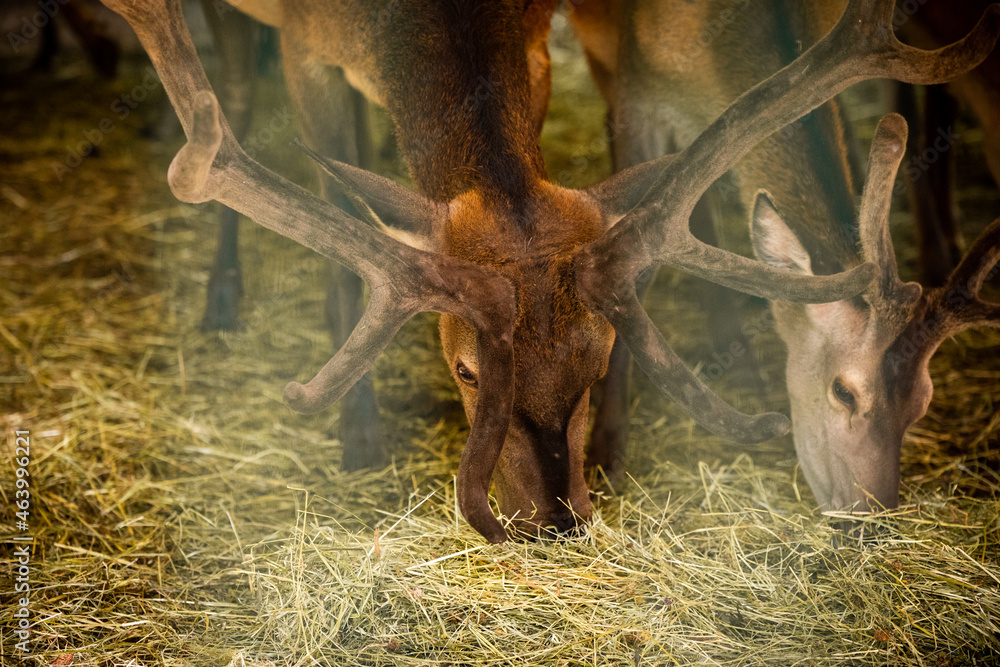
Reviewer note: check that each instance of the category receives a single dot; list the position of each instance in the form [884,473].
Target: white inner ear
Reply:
[774,242]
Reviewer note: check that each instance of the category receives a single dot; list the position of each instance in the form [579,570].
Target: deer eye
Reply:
[465,375]
[843,394]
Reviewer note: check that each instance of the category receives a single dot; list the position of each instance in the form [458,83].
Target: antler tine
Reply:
[403,279]
[380,322]
[858,48]
[910,64]
[683,387]
[979,261]
[887,292]
[489,430]
[883,162]
[958,305]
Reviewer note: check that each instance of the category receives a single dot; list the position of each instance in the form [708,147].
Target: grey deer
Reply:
[857,371]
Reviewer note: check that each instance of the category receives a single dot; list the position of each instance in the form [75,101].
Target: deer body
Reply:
[367,47]
[677,66]
[467,86]
[932,25]
[534,281]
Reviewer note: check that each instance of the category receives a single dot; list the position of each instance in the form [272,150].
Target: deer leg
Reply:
[928,180]
[102,50]
[609,436]
[334,120]
[235,36]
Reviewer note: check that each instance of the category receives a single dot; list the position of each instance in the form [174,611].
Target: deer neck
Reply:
[807,170]
[457,87]
[807,167]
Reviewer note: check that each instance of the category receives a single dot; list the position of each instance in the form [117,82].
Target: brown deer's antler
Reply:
[403,279]
[861,46]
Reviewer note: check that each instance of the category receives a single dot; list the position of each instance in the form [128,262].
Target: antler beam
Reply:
[861,46]
[403,279]
[958,305]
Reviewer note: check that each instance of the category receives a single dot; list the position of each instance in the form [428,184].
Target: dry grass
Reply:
[183,516]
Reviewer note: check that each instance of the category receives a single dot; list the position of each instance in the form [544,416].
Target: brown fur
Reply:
[531,268]
[467,85]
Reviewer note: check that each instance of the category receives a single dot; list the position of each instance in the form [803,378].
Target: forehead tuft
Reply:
[549,308]
[492,229]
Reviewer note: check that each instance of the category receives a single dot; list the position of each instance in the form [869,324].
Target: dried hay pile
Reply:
[183,516]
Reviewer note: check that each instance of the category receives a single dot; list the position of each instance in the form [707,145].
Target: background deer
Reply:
[934,24]
[853,390]
[535,281]
[33,29]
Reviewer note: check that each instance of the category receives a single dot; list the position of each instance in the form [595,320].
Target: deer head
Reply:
[857,369]
[538,280]
[560,347]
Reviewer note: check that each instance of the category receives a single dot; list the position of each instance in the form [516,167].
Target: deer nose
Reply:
[564,520]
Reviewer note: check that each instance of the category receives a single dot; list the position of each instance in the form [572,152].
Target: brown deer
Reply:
[534,281]
[857,368]
[320,92]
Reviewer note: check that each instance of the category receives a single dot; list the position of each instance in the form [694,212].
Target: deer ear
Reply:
[773,242]
[777,245]
[621,192]
[381,201]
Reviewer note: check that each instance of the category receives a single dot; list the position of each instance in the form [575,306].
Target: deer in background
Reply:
[857,368]
[33,27]
[534,281]
[929,169]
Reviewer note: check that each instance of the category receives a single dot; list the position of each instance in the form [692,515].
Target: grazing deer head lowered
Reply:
[531,277]
[857,369]
[853,388]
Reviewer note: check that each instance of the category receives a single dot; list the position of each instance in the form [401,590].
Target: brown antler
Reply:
[945,311]
[403,279]
[861,46]
[958,305]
